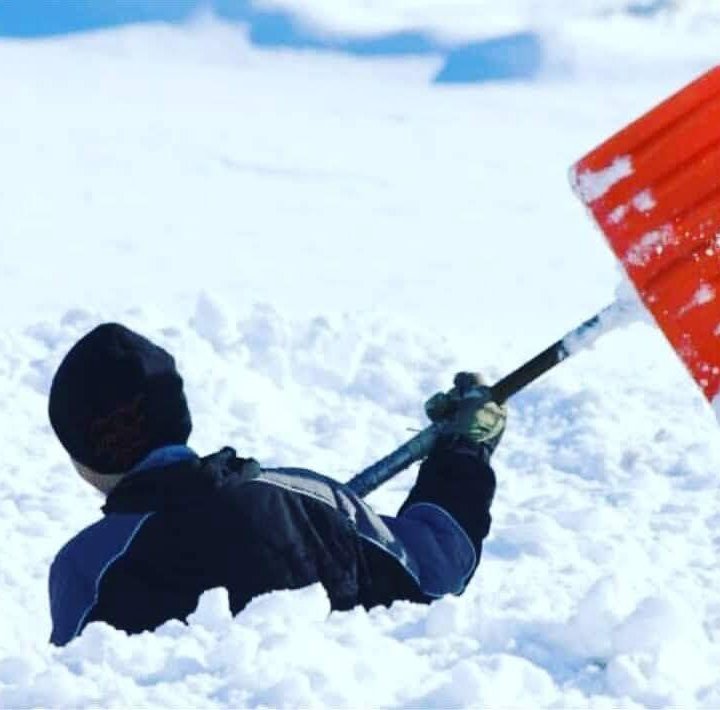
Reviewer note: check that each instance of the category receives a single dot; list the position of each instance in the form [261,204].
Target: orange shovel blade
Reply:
[654,190]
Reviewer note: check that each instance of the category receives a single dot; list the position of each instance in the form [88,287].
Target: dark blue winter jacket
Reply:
[179,525]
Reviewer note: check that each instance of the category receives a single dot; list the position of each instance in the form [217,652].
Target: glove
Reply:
[467,411]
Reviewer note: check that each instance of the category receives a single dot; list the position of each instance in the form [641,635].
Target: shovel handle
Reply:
[421,444]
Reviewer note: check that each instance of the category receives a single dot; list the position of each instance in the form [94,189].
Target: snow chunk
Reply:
[592,185]
[278,611]
[618,214]
[704,294]
[644,201]
[652,243]
[619,314]
[213,610]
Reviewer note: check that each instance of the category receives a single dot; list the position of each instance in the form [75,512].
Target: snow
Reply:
[592,185]
[626,309]
[644,201]
[303,20]
[705,293]
[464,20]
[642,251]
[322,241]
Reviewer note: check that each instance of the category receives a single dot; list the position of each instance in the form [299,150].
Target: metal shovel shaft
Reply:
[420,445]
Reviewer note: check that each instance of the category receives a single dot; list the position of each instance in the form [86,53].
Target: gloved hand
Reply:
[467,411]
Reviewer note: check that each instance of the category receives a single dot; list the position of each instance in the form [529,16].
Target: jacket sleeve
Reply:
[446,516]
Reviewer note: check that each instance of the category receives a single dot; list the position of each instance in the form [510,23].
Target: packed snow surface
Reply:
[323,242]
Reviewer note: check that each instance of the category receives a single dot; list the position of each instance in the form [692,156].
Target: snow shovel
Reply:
[654,191]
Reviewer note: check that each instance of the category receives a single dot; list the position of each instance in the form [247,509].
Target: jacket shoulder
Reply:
[301,481]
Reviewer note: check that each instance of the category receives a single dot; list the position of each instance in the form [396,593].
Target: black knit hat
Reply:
[115,398]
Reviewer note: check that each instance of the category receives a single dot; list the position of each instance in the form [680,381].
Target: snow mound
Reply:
[592,520]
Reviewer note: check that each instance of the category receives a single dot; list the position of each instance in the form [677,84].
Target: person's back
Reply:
[177,525]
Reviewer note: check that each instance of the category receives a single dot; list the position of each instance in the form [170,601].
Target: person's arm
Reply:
[458,478]
[446,516]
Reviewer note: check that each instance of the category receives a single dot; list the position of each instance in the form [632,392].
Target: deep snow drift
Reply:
[323,242]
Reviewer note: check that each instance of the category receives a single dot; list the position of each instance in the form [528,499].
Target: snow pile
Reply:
[322,243]
[286,651]
[590,589]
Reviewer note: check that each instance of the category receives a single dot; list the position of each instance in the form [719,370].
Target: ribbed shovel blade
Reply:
[654,191]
